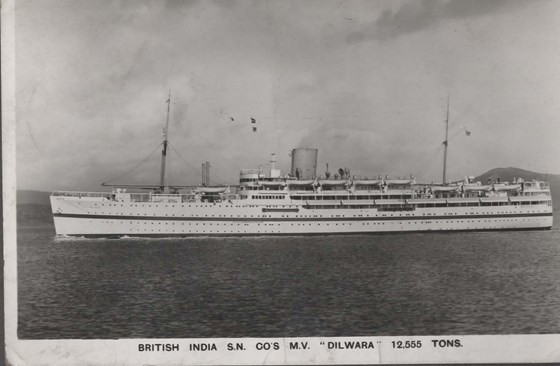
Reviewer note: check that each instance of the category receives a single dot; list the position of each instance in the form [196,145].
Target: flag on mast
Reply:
[254,121]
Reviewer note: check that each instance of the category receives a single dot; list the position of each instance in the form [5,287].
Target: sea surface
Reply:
[397,284]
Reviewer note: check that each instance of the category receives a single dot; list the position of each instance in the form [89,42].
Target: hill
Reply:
[33,208]
[507,174]
[27,197]
[34,214]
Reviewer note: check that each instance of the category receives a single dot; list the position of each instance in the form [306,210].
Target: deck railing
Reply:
[81,194]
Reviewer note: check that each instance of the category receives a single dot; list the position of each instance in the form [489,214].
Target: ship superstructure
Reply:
[301,203]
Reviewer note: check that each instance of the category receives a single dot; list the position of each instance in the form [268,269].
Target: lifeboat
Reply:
[334,182]
[271,183]
[211,189]
[444,189]
[399,181]
[367,182]
[507,188]
[476,188]
[300,182]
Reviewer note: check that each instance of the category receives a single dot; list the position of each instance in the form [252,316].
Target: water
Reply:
[399,284]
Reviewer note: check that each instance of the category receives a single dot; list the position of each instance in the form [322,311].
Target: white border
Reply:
[8,176]
[472,349]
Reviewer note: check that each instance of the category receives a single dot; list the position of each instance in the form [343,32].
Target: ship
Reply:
[267,202]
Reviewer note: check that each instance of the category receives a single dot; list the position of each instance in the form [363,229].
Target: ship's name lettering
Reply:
[350,345]
[158,347]
[202,347]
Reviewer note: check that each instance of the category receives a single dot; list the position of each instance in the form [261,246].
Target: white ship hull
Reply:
[102,217]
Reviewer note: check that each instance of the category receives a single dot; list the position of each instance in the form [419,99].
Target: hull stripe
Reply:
[340,233]
[298,219]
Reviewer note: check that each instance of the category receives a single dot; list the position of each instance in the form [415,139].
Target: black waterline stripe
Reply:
[296,219]
[330,233]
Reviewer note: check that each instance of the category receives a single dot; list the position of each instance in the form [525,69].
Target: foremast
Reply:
[164,147]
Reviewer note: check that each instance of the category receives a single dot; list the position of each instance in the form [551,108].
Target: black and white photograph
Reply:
[281,182]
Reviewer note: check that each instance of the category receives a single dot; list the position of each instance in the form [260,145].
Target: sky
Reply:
[365,82]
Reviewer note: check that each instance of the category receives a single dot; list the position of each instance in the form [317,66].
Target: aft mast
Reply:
[164,148]
[446,143]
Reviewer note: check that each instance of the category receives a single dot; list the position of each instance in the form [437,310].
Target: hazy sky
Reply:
[366,82]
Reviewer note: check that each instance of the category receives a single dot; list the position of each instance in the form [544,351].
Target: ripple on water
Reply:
[416,284]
